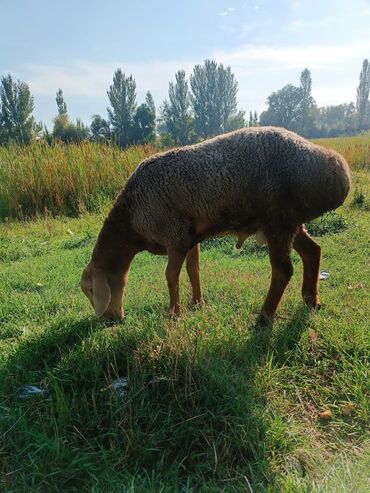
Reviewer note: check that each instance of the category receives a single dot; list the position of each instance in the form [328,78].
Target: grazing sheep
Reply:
[264,181]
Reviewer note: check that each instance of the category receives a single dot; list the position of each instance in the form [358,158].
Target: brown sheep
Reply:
[264,181]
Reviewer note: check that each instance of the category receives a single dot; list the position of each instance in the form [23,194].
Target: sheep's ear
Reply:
[101,293]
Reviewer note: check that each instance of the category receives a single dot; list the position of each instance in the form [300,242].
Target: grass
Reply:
[355,149]
[68,180]
[63,179]
[213,402]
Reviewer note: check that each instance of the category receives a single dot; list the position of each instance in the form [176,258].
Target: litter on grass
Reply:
[32,391]
[324,275]
[119,386]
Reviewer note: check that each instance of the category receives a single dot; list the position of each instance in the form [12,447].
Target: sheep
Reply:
[262,181]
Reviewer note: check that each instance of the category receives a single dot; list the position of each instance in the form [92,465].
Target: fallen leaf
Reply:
[348,409]
[325,415]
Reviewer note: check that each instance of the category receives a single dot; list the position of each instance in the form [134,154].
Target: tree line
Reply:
[198,107]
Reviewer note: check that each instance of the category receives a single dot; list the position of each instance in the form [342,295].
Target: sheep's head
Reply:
[104,291]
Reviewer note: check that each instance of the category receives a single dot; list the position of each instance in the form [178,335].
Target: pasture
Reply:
[213,402]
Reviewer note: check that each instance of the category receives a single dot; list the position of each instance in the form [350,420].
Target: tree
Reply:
[122,97]
[143,130]
[214,103]
[68,132]
[99,129]
[236,121]
[292,107]
[308,105]
[284,108]
[150,103]
[363,94]
[176,115]
[62,106]
[253,119]
[336,120]
[17,122]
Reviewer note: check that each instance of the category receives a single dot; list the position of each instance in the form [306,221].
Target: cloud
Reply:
[294,57]
[87,79]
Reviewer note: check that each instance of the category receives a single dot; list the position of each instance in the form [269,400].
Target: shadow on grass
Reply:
[194,417]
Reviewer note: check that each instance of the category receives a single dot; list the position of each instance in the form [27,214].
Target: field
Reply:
[213,402]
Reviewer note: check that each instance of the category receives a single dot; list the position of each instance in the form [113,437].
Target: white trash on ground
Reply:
[120,386]
[32,391]
[324,275]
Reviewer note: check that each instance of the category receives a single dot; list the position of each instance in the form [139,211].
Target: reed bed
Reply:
[355,149]
[63,179]
[68,180]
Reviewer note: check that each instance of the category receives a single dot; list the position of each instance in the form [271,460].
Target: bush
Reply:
[329,223]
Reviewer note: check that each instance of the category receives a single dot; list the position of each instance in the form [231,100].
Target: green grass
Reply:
[213,403]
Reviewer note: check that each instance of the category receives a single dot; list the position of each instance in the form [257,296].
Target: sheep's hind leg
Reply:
[192,267]
[175,261]
[282,270]
[310,253]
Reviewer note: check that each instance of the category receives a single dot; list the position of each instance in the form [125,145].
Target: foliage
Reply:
[363,91]
[292,107]
[329,223]
[176,116]
[99,129]
[213,97]
[16,121]
[336,120]
[143,128]
[62,105]
[68,132]
[122,97]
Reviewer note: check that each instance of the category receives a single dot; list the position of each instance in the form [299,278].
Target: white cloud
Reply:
[224,13]
[231,9]
[290,57]
[87,79]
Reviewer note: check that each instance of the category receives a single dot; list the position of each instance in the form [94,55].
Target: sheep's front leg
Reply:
[282,271]
[310,253]
[175,261]
[192,267]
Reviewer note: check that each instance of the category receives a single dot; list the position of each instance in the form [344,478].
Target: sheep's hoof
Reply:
[264,320]
[174,312]
[198,303]
[313,303]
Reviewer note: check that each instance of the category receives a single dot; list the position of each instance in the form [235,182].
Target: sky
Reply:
[77,45]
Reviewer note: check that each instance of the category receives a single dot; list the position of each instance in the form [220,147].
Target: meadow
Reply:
[213,402]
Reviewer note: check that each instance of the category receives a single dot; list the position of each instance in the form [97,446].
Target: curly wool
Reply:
[261,178]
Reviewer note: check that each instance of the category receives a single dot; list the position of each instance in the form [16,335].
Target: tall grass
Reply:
[63,179]
[69,179]
[355,149]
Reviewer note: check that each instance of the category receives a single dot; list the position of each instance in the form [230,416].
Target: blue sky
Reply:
[77,45]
